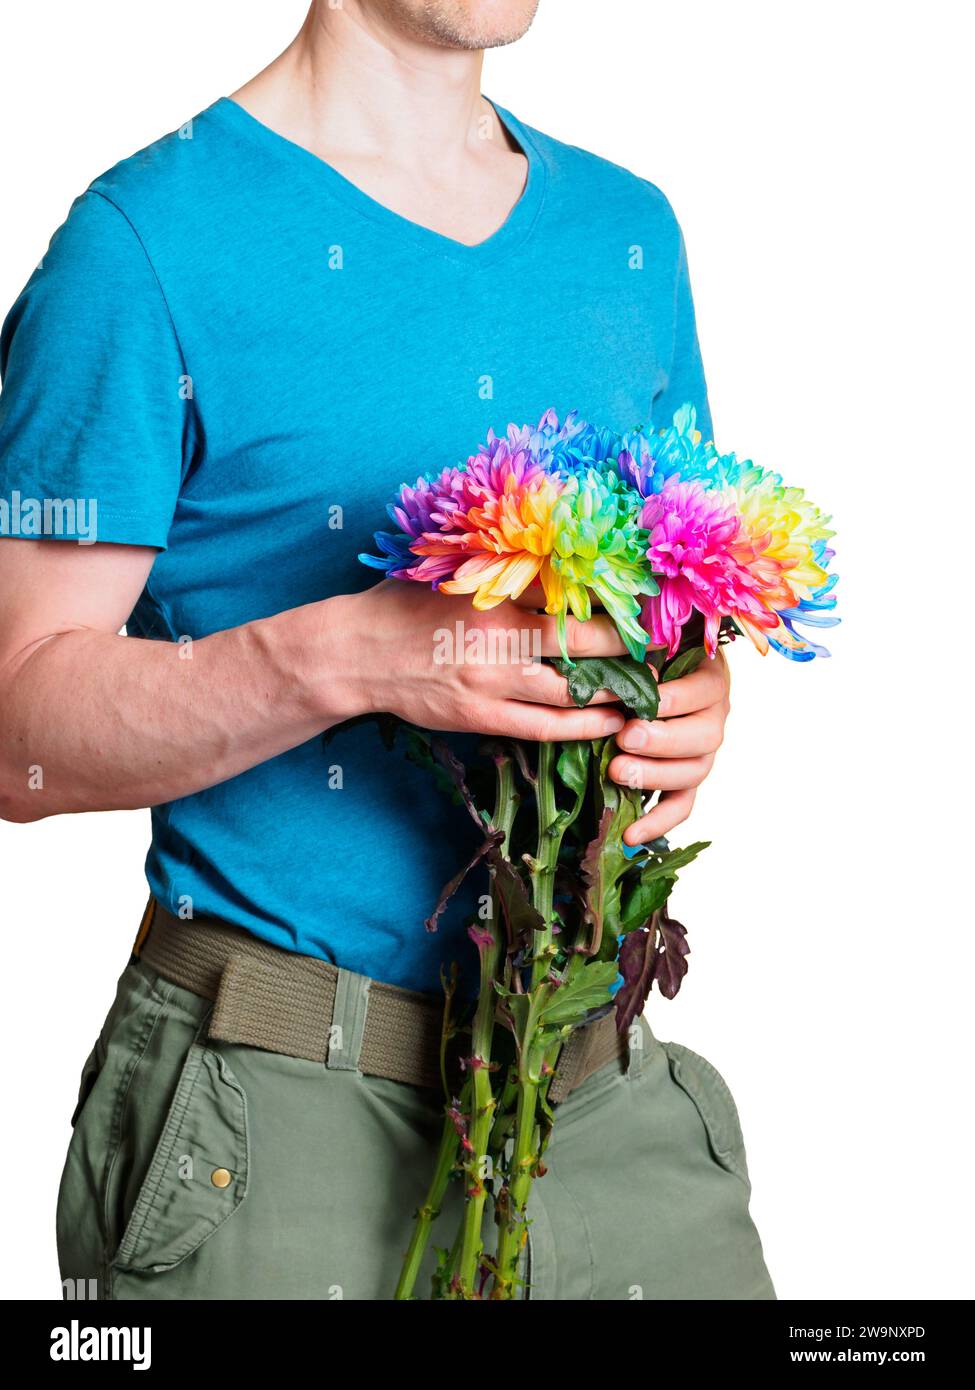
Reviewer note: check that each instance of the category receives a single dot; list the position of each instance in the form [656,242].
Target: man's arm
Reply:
[90,720]
[97,721]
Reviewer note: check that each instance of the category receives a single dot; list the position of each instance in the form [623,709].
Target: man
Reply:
[242,339]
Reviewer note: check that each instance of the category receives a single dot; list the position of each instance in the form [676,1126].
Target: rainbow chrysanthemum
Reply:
[655,527]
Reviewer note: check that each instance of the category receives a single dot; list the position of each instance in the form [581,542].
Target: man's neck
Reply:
[400,117]
[352,87]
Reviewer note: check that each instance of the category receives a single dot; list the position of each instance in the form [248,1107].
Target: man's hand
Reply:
[437,662]
[397,670]
[674,753]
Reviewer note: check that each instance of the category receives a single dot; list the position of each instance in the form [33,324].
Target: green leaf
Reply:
[588,990]
[573,766]
[609,791]
[609,946]
[603,867]
[668,864]
[519,1007]
[631,680]
[573,769]
[683,664]
[643,901]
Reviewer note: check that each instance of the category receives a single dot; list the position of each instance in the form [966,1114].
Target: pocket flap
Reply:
[715,1104]
[198,1175]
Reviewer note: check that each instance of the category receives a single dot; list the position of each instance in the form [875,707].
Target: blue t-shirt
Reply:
[238,356]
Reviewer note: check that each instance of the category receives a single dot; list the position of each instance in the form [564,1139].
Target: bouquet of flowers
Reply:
[684,548]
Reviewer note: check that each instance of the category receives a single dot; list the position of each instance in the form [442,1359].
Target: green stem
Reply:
[482,1103]
[480,1116]
[543,868]
[503,1116]
[429,1211]
[447,1288]
[514,1228]
[537,1053]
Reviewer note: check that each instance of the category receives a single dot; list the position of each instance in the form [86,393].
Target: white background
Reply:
[817,157]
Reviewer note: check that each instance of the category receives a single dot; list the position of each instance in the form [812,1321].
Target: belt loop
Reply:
[348,1021]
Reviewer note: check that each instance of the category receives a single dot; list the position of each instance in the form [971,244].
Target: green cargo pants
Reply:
[204,1170]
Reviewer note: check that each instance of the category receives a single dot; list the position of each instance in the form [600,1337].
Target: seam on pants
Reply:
[160,999]
[349,1014]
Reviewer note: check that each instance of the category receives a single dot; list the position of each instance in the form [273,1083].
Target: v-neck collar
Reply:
[512,232]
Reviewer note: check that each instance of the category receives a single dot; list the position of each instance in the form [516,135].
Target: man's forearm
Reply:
[90,721]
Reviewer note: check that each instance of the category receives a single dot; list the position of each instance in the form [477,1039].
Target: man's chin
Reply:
[467,24]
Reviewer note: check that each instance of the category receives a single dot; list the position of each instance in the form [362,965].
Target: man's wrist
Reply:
[311,653]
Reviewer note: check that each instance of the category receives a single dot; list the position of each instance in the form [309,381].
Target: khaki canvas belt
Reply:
[280,1001]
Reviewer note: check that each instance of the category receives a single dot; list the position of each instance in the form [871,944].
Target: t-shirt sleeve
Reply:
[93,412]
[685,378]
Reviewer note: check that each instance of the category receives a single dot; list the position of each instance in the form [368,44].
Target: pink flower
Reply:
[700,557]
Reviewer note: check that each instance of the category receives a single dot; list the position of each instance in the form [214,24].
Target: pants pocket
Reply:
[198,1174]
[707,1088]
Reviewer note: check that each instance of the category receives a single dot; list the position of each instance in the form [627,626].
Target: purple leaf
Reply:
[486,850]
[672,956]
[658,952]
[458,775]
[521,920]
[638,963]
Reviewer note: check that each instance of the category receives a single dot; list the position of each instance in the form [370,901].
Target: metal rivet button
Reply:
[221,1177]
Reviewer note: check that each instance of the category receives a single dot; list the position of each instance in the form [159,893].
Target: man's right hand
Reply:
[437,662]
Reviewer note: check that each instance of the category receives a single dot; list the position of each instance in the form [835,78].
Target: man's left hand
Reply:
[674,753]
